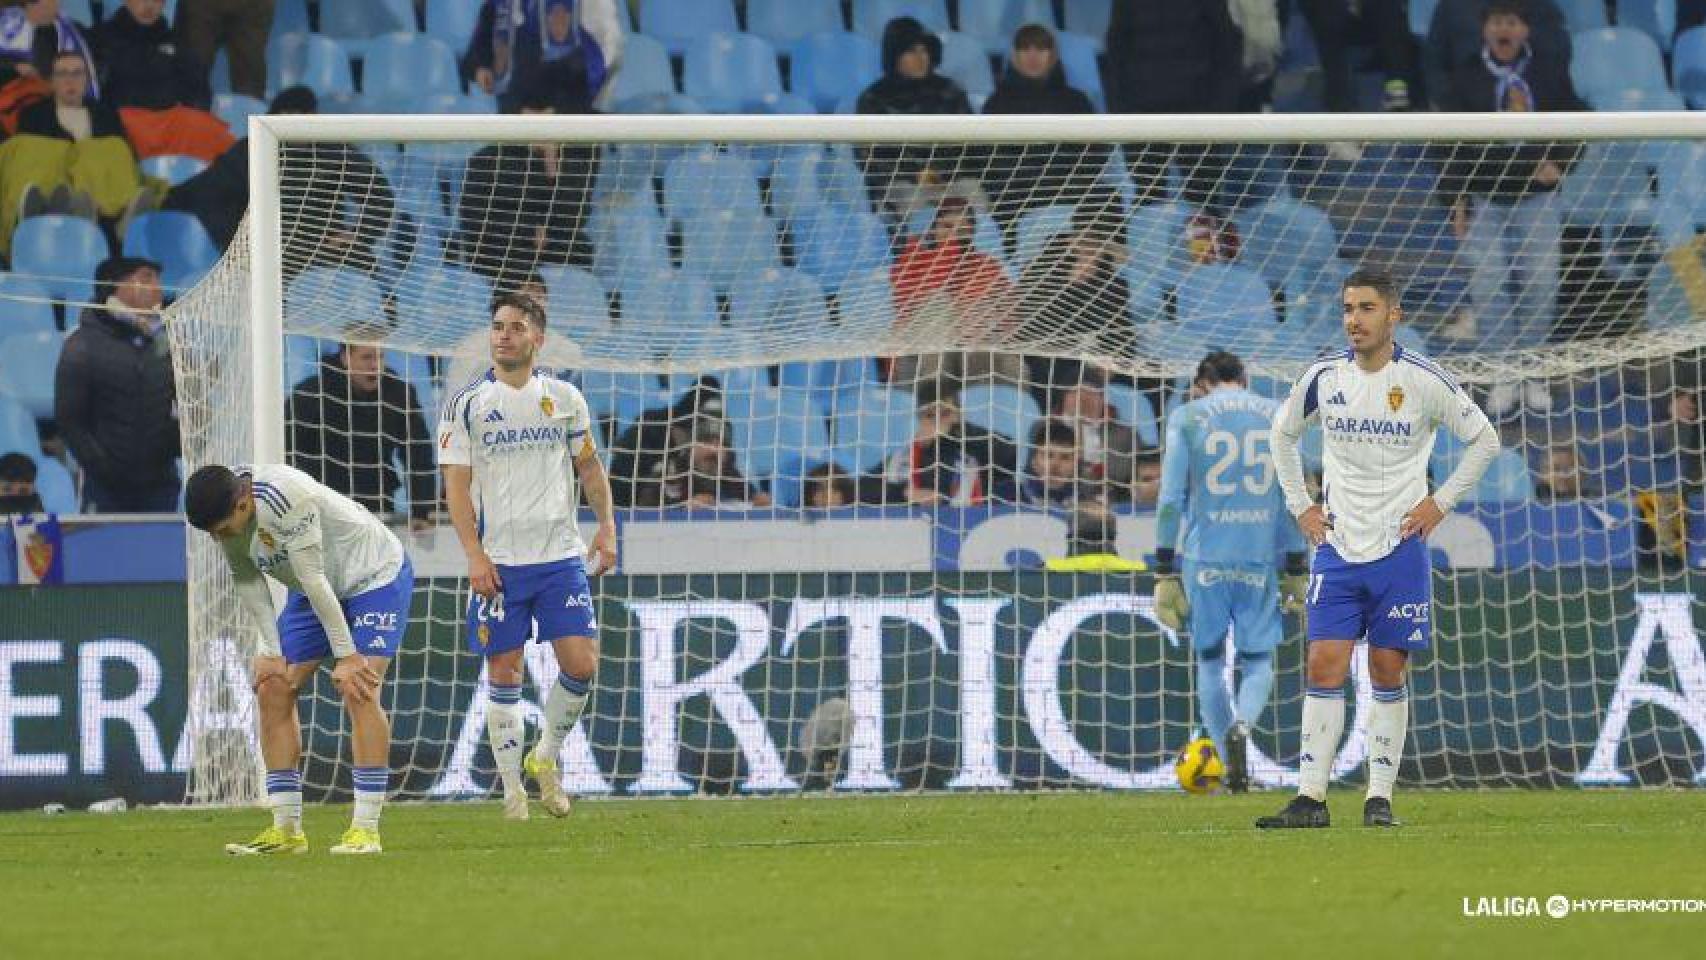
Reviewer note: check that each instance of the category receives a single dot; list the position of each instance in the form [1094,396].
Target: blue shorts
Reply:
[377,620]
[1389,600]
[553,595]
[1244,597]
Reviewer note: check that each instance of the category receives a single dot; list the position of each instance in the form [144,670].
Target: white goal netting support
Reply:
[860,379]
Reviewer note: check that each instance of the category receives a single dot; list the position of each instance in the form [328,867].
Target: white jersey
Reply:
[294,511]
[521,444]
[1377,436]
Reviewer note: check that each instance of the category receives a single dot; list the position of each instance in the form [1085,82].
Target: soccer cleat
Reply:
[1301,813]
[1237,758]
[515,806]
[270,842]
[1377,812]
[358,840]
[544,770]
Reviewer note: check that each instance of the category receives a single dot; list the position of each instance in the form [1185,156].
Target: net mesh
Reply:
[827,579]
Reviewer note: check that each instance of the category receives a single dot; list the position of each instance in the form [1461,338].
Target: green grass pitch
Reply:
[1042,875]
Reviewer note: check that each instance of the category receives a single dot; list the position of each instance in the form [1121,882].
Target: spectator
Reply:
[353,422]
[702,471]
[1504,197]
[1560,475]
[947,462]
[241,27]
[142,64]
[640,459]
[1107,447]
[575,44]
[32,34]
[1334,24]
[944,289]
[334,203]
[1073,295]
[905,179]
[1262,43]
[828,486]
[18,485]
[1455,38]
[1146,480]
[114,399]
[525,205]
[1174,58]
[1036,175]
[1681,433]
[1055,474]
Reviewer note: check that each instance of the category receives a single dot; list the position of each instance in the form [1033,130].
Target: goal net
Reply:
[859,380]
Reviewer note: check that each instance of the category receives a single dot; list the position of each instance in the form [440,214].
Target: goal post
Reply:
[898,311]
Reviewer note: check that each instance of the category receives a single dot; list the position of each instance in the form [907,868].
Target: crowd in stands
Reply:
[98,113]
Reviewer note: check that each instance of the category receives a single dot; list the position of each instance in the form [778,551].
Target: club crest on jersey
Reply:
[1395,398]
[484,635]
[549,408]
[267,540]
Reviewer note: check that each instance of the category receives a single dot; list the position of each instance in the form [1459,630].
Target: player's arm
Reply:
[1171,606]
[595,483]
[1290,420]
[254,595]
[455,458]
[1454,410]
[297,529]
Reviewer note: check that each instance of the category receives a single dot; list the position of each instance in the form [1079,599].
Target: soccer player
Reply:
[506,443]
[350,583]
[1379,406]
[1217,476]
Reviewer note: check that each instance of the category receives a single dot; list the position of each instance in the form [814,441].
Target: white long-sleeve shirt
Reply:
[1378,433]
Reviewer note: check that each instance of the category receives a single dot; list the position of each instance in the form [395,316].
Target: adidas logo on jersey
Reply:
[1337,399]
[496,416]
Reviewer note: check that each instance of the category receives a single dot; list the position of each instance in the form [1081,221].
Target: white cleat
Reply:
[551,795]
[515,806]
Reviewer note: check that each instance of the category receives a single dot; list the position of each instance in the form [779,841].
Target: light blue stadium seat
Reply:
[673,306]
[439,306]
[836,244]
[18,433]
[678,22]
[878,422]
[467,104]
[1219,306]
[176,241]
[993,22]
[1155,238]
[780,104]
[326,301]
[1089,18]
[1507,480]
[172,168]
[828,68]
[402,65]
[621,396]
[28,363]
[1615,58]
[1636,99]
[1655,18]
[1007,410]
[1290,243]
[309,59]
[302,358]
[785,22]
[871,16]
[358,24]
[724,245]
[453,21]
[576,304]
[831,384]
[763,300]
[1582,15]
[236,109]
[1422,16]
[843,181]
[646,73]
[966,62]
[762,441]
[291,16]
[1036,228]
[81,11]
[24,306]
[1135,410]
[796,187]
[62,252]
[865,302]
[788,484]
[709,179]
[1688,66]
[629,238]
[54,485]
[1609,185]
[728,72]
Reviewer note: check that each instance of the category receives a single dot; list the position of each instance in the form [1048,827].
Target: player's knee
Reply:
[580,659]
[275,695]
[1328,665]
[1215,652]
[1250,659]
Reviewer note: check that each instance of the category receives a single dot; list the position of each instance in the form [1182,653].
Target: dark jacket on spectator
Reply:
[1039,174]
[348,442]
[218,195]
[640,458]
[143,66]
[510,193]
[1503,172]
[316,180]
[895,94]
[1167,56]
[42,119]
[970,465]
[1454,38]
[114,401]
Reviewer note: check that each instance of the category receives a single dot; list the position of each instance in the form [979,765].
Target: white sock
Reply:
[370,784]
[1388,723]
[1323,725]
[563,706]
[284,796]
[505,731]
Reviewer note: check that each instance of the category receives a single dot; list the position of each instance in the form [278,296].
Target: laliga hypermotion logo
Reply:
[38,553]
[1395,398]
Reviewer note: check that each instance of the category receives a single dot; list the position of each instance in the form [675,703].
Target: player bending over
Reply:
[350,584]
[1218,476]
[506,442]
[1379,406]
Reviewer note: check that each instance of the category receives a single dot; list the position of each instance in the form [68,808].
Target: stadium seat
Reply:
[291,16]
[1155,238]
[964,60]
[1615,58]
[236,109]
[1135,410]
[709,179]
[878,422]
[986,236]
[1036,228]
[837,244]
[831,384]
[172,168]
[671,305]
[1582,15]
[358,24]
[310,296]
[475,104]
[775,298]
[628,238]
[1636,99]
[453,21]
[729,72]
[28,363]
[1655,18]
[81,11]
[871,16]
[1422,17]
[786,22]
[796,190]
[1507,480]
[1288,242]
[646,73]
[18,433]
[438,306]
[679,22]
[788,484]
[62,252]
[576,302]
[723,245]
[993,22]
[1007,410]
[176,241]
[402,65]
[1219,305]
[620,396]
[865,301]
[54,485]
[1089,18]
[309,59]
[1610,185]
[828,68]
[25,306]
[1689,66]
[762,440]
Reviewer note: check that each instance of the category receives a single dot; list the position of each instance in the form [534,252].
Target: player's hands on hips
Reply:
[603,551]
[1171,607]
[265,670]
[1314,524]
[483,576]
[1422,519]
[355,679]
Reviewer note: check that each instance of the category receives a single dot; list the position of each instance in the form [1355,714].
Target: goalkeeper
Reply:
[1217,477]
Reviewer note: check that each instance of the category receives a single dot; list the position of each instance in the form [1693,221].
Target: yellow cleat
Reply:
[270,842]
[358,840]
[551,795]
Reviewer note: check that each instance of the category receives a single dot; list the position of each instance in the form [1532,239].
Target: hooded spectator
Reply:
[904,179]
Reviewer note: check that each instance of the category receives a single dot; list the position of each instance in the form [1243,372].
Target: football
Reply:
[1198,767]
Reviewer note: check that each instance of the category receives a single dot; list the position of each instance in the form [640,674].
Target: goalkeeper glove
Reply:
[1171,607]
[1294,584]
